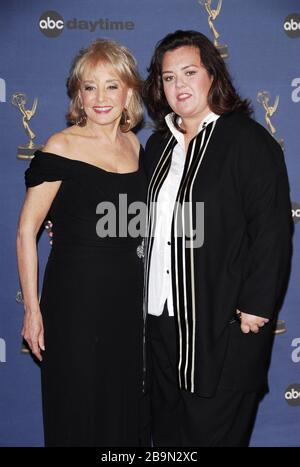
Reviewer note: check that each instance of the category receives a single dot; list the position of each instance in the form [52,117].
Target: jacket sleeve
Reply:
[266,204]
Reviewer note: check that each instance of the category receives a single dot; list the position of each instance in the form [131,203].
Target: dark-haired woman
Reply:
[218,249]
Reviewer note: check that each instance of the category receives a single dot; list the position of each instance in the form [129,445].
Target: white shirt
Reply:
[160,279]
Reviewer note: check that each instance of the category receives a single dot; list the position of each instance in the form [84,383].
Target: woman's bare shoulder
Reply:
[133,140]
[59,143]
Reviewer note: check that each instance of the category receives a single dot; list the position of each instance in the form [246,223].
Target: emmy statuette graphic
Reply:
[212,15]
[19,100]
[263,98]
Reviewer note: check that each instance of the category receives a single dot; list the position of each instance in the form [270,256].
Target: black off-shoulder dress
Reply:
[92,308]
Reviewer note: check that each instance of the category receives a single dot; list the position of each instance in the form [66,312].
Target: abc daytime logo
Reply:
[292,394]
[296,212]
[51,24]
[291,25]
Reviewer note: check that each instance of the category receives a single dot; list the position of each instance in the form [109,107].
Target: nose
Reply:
[179,82]
[101,93]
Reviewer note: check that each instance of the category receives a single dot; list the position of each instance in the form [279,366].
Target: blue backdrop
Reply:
[38,42]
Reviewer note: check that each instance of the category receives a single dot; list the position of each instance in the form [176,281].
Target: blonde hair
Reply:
[112,53]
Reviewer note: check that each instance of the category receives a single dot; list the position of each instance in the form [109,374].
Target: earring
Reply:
[125,120]
[81,121]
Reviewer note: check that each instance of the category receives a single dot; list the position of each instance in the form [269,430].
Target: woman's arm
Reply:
[36,206]
[265,196]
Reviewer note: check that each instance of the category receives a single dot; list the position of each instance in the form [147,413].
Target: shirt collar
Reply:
[211,117]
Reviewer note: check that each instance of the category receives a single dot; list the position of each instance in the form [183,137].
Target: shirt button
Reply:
[169,243]
[168,272]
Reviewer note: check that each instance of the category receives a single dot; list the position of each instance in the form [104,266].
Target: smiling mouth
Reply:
[102,110]
[183,97]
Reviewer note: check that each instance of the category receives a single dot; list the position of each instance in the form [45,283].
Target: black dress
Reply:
[92,308]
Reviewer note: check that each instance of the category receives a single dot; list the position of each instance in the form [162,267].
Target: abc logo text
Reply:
[291,25]
[292,394]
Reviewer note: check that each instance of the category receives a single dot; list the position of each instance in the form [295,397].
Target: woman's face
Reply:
[186,83]
[103,94]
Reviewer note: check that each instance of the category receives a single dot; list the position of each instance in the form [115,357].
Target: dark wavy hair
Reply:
[222,96]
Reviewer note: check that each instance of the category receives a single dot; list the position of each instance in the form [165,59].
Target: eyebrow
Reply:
[107,81]
[183,68]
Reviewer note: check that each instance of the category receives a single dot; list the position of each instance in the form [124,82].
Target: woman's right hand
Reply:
[33,332]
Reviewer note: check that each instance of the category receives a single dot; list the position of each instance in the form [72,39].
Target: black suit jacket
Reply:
[236,168]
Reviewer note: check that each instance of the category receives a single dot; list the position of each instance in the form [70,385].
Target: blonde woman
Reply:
[87,329]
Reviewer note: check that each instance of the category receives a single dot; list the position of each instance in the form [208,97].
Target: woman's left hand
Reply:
[251,323]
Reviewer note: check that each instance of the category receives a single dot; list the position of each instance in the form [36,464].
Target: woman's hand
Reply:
[251,323]
[33,332]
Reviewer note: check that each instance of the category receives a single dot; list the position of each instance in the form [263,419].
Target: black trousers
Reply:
[180,418]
